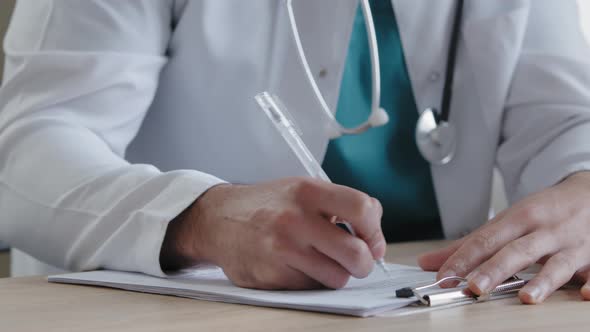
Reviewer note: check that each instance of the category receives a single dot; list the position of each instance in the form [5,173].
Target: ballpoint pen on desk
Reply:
[279,116]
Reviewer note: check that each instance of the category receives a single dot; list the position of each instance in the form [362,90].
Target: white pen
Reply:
[280,117]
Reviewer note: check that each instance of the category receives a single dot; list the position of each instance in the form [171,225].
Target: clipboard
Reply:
[432,295]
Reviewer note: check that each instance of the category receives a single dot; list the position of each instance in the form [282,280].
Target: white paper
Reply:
[361,297]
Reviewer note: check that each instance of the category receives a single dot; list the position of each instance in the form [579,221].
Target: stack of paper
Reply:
[361,297]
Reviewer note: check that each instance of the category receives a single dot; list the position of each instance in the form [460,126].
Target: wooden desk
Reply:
[32,304]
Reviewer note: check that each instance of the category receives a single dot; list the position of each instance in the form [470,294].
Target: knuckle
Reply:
[459,266]
[303,188]
[525,248]
[546,279]
[484,240]
[569,233]
[533,213]
[363,205]
[499,268]
[565,262]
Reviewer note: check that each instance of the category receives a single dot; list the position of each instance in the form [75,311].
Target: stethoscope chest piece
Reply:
[436,140]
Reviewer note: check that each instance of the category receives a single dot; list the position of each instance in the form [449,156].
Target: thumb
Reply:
[586,291]
[584,276]
[433,260]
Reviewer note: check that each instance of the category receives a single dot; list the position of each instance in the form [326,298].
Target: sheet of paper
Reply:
[360,297]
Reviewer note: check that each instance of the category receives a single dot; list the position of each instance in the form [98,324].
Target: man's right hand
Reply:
[278,235]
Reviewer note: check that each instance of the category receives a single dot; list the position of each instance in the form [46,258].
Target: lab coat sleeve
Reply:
[79,78]
[546,125]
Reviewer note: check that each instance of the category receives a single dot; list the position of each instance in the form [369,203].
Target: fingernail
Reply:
[378,250]
[534,294]
[481,282]
[447,274]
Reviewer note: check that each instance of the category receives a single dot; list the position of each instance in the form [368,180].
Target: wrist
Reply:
[186,242]
[579,177]
[176,252]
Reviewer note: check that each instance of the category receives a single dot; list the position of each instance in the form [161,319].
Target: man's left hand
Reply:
[551,227]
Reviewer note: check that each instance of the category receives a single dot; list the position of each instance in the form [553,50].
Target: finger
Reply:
[359,209]
[483,244]
[498,217]
[558,270]
[319,267]
[288,278]
[584,276]
[272,277]
[513,258]
[350,252]
[433,260]
[301,281]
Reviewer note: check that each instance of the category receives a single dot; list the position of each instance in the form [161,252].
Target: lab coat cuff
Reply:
[188,187]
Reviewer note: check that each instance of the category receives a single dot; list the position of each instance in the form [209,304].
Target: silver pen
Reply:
[280,117]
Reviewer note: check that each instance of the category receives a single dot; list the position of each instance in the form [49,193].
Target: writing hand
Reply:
[278,235]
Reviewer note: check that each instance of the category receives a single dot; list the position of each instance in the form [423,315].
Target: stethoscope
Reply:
[435,136]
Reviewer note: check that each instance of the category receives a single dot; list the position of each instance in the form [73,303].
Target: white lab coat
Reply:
[116,115]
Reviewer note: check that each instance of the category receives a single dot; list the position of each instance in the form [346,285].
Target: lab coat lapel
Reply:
[325,27]
[425,28]
[479,96]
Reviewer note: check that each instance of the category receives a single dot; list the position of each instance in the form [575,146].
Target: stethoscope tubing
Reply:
[378,116]
[435,135]
[452,63]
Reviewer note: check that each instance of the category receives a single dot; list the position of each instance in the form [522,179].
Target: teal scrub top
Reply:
[384,162]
